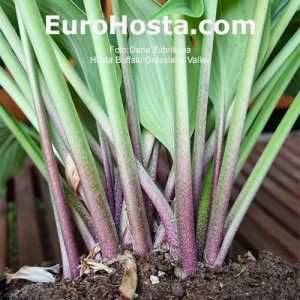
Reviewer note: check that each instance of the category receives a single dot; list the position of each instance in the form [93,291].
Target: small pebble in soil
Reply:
[178,289]
[161,273]
[154,279]
[200,265]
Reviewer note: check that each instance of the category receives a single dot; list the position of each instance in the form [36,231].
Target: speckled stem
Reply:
[163,209]
[107,170]
[126,161]
[66,112]
[198,167]
[217,219]
[53,173]
[184,210]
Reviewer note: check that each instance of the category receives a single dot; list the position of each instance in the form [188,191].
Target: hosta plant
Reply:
[106,119]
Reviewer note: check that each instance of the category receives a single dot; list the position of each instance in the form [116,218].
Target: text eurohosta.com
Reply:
[55,26]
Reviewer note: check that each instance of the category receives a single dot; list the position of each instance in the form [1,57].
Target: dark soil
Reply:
[267,278]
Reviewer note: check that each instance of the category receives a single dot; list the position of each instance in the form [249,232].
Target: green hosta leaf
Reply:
[79,46]
[191,8]
[81,49]
[265,40]
[277,7]
[9,8]
[289,32]
[229,50]
[154,82]
[11,156]
[79,3]
[293,87]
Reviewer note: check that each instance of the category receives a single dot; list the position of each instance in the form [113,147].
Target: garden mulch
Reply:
[269,277]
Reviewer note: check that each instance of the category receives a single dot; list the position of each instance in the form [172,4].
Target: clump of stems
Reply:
[116,160]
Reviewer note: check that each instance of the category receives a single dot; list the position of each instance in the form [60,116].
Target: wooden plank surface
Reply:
[287,218]
[29,242]
[256,239]
[278,192]
[269,228]
[290,158]
[273,220]
[293,146]
[287,177]
[11,106]
[3,233]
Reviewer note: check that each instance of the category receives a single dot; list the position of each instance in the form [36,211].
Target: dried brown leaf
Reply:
[247,257]
[72,174]
[96,266]
[129,281]
[88,264]
[34,274]
[95,251]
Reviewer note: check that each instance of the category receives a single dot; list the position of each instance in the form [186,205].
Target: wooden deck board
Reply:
[29,242]
[284,179]
[292,171]
[293,147]
[290,158]
[277,210]
[277,192]
[3,233]
[273,220]
[257,240]
[275,232]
